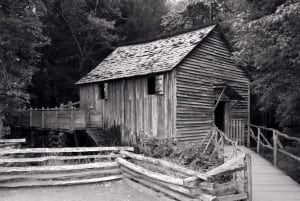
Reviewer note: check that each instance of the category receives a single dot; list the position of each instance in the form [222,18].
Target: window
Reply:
[156,84]
[151,85]
[103,91]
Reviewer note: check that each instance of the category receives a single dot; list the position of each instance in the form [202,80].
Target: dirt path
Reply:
[115,191]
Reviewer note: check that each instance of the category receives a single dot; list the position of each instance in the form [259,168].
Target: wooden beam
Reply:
[248,177]
[171,193]
[249,115]
[59,167]
[258,140]
[60,176]
[233,165]
[275,151]
[59,183]
[219,98]
[166,164]
[22,140]
[234,197]
[209,141]
[130,174]
[148,173]
[59,158]
[65,150]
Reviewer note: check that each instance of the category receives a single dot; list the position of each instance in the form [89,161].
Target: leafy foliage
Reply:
[269,47]
[140,19]
[81,38]
[21,36]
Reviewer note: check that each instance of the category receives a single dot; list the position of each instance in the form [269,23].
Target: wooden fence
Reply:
[65,166]
[60,118]
[235,130]
[185,184]
[258,133]
[58,166]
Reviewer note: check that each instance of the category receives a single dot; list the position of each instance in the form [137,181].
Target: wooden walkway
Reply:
[269,183]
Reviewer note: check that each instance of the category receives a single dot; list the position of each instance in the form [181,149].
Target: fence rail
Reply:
[275,145]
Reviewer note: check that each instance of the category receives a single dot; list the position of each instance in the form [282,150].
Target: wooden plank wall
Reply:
[129,107]
[206,65]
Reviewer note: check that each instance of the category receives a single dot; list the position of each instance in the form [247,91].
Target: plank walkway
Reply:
[268,182]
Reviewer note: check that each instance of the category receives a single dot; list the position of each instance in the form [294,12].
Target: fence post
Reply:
[43,117]
[248,136]
[258,140]
[56,117]
[30,117]
[248,177]
[72,117]
[275,144]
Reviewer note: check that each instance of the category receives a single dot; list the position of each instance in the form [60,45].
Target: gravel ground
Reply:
[112,191]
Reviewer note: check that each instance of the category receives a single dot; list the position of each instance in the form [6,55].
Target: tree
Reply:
[140,19]
[193,13]
[21,37]
[81,38]
[269,46]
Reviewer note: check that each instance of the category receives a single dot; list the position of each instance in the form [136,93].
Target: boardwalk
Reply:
[270,183]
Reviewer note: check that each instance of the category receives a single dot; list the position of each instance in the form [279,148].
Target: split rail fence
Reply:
[185,184]
[58,166]
[259,134]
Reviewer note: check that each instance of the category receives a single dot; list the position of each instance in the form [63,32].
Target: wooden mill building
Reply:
[178,86]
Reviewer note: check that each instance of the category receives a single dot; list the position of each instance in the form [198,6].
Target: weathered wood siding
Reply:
[206,65]
[130,108]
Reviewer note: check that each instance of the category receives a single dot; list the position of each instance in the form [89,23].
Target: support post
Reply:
[248,177]
[258,140]
[43,117]
[249,103]
[56,117]
[275,144]
[72,118]
[30,117]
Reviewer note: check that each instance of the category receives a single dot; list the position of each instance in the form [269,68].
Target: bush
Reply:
[187,154]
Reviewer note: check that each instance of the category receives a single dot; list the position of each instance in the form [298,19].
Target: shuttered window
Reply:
[156,84]
[103,89]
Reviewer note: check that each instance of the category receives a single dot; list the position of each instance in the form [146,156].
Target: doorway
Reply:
[220,115]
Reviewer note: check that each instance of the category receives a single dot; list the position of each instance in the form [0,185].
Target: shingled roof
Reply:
[142,59]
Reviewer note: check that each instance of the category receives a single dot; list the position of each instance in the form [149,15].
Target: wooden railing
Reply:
[65,166]
[216,139]
[257,133]
[60,118]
